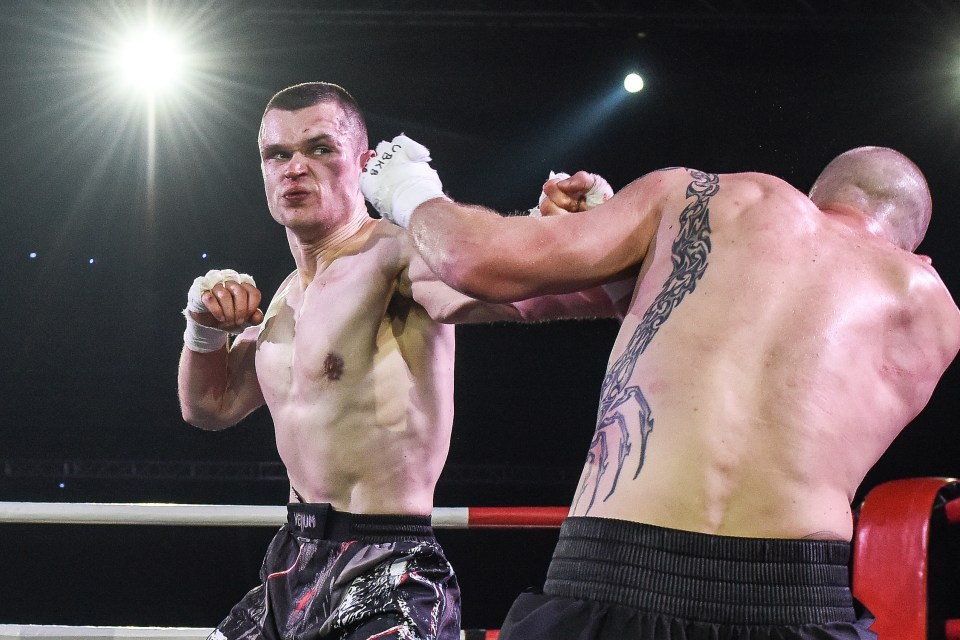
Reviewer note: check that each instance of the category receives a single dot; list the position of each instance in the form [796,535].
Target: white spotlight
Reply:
[633,83]
[150,60]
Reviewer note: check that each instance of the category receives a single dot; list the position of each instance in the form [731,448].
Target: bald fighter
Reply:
[774,346]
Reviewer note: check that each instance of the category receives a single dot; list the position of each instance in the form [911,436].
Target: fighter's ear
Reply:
[365,157]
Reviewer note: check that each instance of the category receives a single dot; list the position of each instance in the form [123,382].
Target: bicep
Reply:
[217,392]
[444,304]
[447,305]
[502,259]
[567,253]
[243,385]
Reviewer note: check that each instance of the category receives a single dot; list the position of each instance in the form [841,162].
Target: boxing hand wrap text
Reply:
[399,178]
[198,337]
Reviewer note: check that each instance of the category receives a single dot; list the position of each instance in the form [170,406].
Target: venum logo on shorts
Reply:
[305,520]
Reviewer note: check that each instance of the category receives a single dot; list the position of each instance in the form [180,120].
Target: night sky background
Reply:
[501,93]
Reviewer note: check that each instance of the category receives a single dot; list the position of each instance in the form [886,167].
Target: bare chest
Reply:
[325,336]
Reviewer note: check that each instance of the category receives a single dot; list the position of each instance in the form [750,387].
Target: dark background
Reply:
[502,93]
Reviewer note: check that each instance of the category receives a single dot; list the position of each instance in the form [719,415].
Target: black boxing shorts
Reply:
[331,574]
[613,579]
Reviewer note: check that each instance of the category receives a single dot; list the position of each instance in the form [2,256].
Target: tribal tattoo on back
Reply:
[624,412]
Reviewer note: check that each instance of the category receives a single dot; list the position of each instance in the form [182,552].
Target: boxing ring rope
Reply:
[885,542]
[218,515]
[223,515]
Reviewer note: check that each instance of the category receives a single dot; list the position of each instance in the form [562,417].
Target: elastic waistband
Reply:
[696,576]
[322,521]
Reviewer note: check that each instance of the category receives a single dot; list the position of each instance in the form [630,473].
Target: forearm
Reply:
[589,303]
[488,257]
[220,388]
[202,385]
[469,248]
[216,382]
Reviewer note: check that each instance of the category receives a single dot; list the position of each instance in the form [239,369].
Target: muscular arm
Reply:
[499,259]
[220,388]
[449,306]
[933,338]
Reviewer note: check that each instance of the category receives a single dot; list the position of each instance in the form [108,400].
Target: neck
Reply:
[310,254]
[857,219]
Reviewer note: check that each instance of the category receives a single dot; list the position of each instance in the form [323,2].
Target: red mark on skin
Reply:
[333,367]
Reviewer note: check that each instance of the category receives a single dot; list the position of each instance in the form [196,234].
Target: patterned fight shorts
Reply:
[331,574]
[613,579]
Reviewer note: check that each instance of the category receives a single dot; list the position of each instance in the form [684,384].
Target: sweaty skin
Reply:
[359,382]
[771,351]
[355,355]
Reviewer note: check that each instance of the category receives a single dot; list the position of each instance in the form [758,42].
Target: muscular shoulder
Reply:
[394,251]
[661,182]
[932,301]
[389,245]
[681,183]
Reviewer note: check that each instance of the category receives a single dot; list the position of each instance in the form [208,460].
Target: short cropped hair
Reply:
[307,94]
[885,185]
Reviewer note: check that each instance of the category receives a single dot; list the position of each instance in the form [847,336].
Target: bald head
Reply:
[882,183]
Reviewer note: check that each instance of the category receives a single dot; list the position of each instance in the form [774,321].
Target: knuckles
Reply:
[230,306]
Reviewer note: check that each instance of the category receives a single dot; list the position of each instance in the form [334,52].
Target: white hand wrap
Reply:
[398,179]
[535,212]
[198,337]
[600,192]
[597,194]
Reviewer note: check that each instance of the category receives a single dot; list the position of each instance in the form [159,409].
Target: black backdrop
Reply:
[87,389]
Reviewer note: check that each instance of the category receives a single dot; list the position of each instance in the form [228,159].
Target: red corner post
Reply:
[891,556]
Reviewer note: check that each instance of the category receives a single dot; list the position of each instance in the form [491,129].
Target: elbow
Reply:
[480,277]
[475,266]
[206,420]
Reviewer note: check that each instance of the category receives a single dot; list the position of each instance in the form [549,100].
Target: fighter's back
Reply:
[771,353]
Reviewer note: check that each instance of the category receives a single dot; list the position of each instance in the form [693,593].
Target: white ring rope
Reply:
[223,515]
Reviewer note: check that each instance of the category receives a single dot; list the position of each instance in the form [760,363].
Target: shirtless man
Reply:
[356,367]
[774,346]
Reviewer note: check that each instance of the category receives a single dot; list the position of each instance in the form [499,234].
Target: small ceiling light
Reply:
[633,83]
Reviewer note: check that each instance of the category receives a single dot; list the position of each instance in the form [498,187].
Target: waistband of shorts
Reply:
[697,576]
[322,521]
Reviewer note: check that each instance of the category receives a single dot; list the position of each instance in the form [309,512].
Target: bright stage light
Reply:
[150,60]
[633,83]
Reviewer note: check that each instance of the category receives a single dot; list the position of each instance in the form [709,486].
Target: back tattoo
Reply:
[624,412]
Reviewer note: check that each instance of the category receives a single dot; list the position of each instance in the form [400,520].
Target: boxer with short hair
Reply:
[774,346]
[354,358]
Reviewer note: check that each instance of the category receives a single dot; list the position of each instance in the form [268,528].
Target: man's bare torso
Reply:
[771,354]
[358,381]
